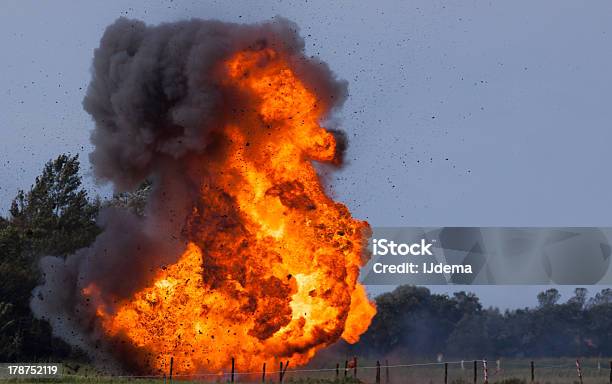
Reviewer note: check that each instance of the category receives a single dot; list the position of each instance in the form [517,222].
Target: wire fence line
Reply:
[477,370]
[276,371]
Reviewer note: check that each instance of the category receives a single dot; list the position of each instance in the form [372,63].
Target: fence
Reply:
[382,372]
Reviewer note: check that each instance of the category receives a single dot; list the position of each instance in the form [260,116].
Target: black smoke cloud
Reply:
[154,92]
[155,100]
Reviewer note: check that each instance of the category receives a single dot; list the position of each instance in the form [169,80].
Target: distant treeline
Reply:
[56,217]
[413,322]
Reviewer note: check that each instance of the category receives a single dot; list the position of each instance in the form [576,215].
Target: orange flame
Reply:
[270,270]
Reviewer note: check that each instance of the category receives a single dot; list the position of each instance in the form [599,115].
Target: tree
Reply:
[135,201]
[55,217]
[413,322]
[579,298]
[467,303]
[548,298]
[469,338]
[601,298]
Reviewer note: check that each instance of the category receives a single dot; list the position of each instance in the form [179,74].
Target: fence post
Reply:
[345,368]
[475,371]
[445,373]
[387,379]
[281,373]
[263,373]
[579,370]
[485,371]
[355,367]
[377,372]
[232,375]
[337,371]
[598,366]
[532,371]
[171,365]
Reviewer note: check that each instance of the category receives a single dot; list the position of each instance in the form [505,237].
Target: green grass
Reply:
[513,371]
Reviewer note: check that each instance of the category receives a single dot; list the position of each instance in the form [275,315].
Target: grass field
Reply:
[512,371]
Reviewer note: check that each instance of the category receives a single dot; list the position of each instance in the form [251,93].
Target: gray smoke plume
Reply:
[154,93]
[156,102]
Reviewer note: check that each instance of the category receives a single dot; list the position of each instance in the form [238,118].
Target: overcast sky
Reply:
[464,113]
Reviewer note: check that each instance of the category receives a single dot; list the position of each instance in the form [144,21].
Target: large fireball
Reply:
[270,266]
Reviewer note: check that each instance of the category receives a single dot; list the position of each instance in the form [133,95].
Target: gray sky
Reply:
[460,113]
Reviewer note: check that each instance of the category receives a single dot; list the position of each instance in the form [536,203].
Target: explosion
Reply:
[241,252]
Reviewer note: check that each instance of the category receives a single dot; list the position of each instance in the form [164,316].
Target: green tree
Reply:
[548,298]
[55,217]
[135,201]
[414,322]
[579,298]
[602,297]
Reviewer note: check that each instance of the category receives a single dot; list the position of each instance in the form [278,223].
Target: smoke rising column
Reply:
[240,251]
